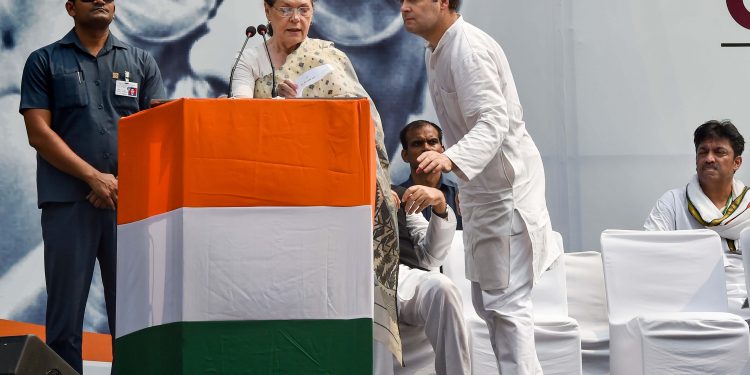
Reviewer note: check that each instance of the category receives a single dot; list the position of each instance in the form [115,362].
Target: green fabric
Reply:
[248,347]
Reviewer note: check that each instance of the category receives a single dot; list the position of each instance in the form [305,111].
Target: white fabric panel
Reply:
[667,310]
[587,304]
[248,263]
[745,241]
[150,268]
[557,336]
[97,368]
[558,344]
[734,271]
[682,343]
[678,271]
[549,295]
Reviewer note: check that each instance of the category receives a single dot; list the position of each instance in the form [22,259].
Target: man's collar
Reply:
[71,38]
[448,34]
[116,42]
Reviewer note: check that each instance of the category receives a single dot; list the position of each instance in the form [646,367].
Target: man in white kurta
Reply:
[507,231]
[426,297]
[713,199]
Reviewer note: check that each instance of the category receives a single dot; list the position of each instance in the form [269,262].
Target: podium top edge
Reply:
[158,102]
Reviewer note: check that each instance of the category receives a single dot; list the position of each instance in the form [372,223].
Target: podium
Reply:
[245,238]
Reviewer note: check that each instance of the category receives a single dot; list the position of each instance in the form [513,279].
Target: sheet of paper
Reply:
[311,76]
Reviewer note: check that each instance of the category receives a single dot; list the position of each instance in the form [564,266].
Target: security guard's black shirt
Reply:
[79,90]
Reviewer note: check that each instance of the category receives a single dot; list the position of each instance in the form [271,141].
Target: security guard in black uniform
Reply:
[73,93]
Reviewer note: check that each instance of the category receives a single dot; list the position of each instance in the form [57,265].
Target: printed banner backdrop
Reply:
[611,93]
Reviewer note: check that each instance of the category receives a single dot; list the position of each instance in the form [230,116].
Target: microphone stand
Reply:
[262,30]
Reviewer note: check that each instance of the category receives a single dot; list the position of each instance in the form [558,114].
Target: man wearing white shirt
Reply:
[426,297]
[507,231]
[713,199]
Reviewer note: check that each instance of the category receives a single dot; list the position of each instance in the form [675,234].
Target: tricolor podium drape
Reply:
[245,238]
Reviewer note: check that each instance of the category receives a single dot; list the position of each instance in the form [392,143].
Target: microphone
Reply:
[249,33]
[263,30]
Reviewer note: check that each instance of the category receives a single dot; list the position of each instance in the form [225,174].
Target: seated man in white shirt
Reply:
[425,296]
[713,199]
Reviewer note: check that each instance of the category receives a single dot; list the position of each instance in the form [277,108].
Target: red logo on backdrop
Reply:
[739,12]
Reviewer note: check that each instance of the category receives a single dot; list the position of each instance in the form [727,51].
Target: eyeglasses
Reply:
[287,12]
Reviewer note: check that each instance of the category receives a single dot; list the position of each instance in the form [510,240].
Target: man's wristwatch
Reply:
[443,215]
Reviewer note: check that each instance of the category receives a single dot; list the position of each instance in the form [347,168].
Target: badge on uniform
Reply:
[125,88]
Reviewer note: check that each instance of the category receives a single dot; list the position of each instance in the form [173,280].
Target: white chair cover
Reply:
[745,244]
[587,304]
[557,335]
[549,294]
[666,295]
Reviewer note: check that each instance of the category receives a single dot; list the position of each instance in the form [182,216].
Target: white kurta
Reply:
[671,213]
[499,167]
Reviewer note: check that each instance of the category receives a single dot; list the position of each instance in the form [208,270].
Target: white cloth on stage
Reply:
[667,307]
[671,213]
[501,178]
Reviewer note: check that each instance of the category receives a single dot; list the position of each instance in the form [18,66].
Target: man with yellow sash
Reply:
[713,199]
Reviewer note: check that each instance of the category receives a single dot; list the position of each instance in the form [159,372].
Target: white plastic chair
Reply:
[667,304]
[556,335]
[587,304]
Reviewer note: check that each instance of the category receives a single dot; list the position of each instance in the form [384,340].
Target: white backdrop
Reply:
[611,92]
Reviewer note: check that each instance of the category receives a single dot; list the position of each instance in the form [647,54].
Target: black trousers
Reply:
[75,235]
